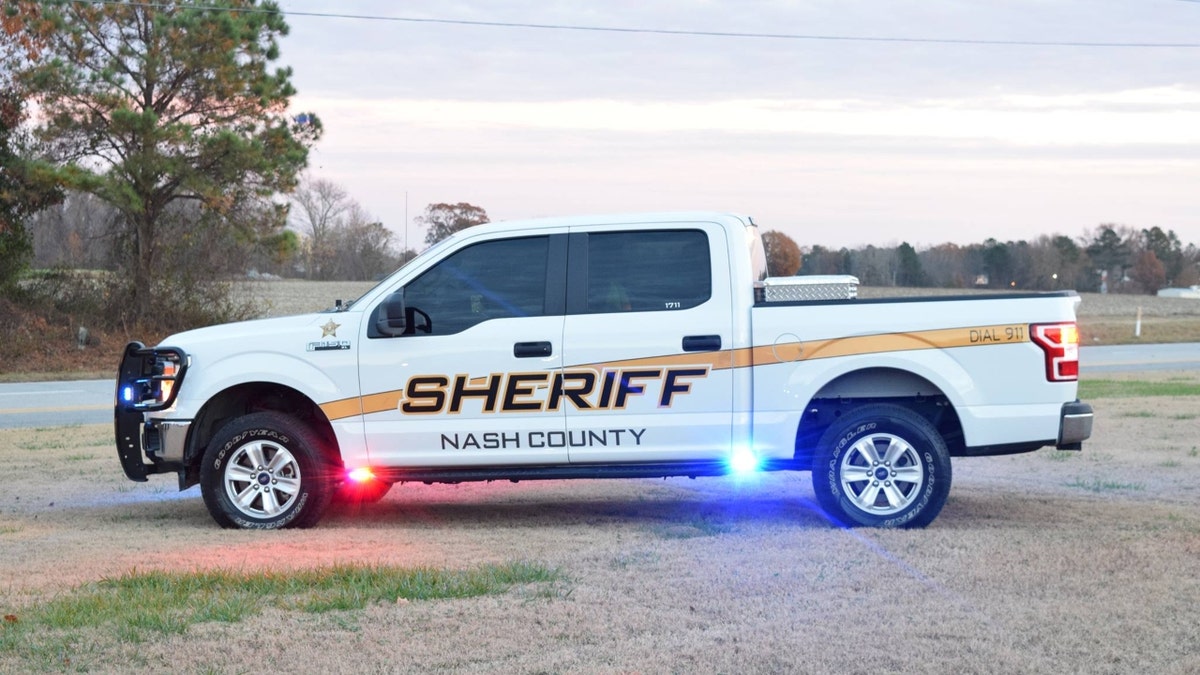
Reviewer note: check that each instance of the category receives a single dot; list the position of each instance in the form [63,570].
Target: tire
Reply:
[265,471]
[882,465]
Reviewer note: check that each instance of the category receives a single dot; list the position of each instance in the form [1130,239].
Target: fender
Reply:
[775,426]
[257,366]
[934,366]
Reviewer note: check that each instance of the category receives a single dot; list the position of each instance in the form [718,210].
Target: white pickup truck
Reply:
[600,347]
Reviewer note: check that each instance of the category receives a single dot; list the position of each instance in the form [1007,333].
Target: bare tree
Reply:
[362,247]
[341,239]
[1190,273]
[875,266]
[949,266]
[76,233]
[321,205]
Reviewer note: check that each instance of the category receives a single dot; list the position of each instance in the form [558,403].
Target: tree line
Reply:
[1109,258]
[329,237]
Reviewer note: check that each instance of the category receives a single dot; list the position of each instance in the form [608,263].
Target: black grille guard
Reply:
[140,376]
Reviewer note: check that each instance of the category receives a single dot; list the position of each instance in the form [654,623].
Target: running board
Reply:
[570,471]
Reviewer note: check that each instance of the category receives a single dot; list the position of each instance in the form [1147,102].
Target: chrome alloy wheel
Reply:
[262,479]
[882,474]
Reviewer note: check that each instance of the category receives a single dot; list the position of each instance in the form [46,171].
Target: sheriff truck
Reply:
[603,347]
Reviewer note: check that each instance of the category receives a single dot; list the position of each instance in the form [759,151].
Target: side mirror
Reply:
[390,317]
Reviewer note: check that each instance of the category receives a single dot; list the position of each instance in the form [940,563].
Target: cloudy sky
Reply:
[938,128]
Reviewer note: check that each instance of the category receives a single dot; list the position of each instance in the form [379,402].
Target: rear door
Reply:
[646,344]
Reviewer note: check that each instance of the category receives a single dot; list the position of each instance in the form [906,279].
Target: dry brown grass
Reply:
[1042,563]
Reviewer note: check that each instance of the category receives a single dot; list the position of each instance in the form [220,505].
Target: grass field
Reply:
[1045,562]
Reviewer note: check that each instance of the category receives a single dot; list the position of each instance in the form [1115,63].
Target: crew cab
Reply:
[601,347]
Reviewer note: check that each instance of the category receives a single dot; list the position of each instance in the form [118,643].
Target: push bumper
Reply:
[129,444]
[141,388]
[1074,426]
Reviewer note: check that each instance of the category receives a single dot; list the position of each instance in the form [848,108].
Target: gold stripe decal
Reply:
[834,347]
[763,355]
[934,339]
[346,407]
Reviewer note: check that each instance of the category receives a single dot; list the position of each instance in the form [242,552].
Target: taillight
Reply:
[1060,343]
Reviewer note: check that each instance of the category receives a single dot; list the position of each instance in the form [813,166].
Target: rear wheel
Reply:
[882,465]
[265,471]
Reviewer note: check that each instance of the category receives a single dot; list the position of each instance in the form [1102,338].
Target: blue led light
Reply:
[127,394]
[743,461]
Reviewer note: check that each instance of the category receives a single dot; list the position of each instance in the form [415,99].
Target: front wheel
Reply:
[265,471]
[882,465]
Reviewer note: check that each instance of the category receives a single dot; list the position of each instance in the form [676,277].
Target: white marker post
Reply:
[1137,326]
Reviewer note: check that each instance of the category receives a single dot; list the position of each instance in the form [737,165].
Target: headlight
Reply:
[149,379]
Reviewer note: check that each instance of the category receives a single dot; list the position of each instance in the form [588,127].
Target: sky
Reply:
[928,132]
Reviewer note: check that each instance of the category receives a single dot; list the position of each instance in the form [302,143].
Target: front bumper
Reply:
[1074,425]
[145,384]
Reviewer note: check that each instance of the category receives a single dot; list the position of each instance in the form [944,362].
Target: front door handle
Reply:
[529,350]
[702,343]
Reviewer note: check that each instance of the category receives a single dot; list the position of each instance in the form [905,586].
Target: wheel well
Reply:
[245,399]
[877,385]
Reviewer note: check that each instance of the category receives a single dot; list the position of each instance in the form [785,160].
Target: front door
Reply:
[463,377]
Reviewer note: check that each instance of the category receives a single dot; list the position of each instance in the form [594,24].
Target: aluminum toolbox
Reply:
[808,288]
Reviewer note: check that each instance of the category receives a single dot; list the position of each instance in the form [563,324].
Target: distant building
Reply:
[1193,292]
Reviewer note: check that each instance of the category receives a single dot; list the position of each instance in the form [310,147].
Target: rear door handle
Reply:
[529,350]
[702,343]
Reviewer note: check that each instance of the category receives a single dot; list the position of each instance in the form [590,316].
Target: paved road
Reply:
[52,404]
[45,404]
[1124,358]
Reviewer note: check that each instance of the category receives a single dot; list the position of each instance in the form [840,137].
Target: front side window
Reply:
[647,271]
[491,280]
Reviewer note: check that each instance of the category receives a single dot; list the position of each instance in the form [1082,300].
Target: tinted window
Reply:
[647,271]
[492,280]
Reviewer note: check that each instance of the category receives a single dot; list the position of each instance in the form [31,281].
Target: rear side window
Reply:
[647,271]
[491,280]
